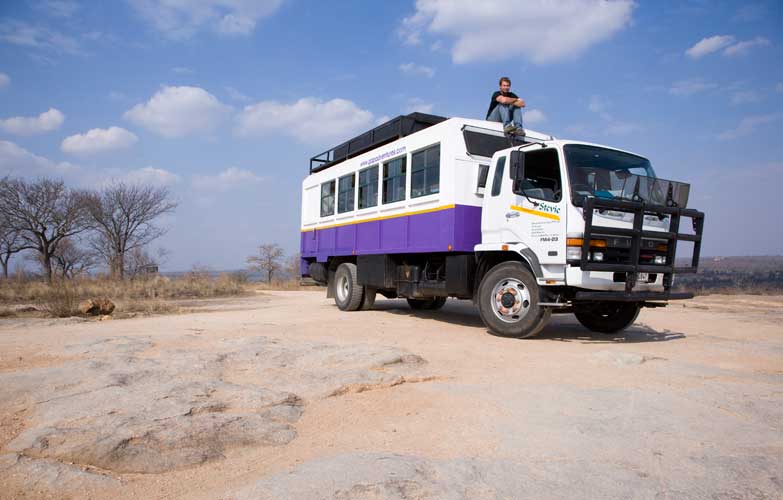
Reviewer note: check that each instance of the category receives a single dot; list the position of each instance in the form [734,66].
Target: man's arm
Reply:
[520,103]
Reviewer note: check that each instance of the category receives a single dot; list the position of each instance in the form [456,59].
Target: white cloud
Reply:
[749,124]
[611,125]
[38,37]
[745,97]
[540,30]
[181,19]
[98,140]
[415,69]
[236,95]
[58,8]
[742,48]
[17,161]
[179,111]
[5,80]
[690,87]
[308,120]
[779,87]
[709,45]
[27,125]
[533,116]
[418,105]
[151,175]
[227,180]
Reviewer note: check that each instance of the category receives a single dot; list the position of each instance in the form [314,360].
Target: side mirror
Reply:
[517,170]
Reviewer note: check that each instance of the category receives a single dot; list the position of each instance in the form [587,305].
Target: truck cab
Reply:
[524,226]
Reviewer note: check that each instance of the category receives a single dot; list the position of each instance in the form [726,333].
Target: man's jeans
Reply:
[505,113]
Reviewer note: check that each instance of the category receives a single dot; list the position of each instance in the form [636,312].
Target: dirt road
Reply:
[283,396]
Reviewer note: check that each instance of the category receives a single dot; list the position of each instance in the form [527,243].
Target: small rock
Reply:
[105,317]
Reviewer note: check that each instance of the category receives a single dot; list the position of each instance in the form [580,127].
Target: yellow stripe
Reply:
[535,212]
[383,217]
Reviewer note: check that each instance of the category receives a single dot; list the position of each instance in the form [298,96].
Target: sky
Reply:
[225,101]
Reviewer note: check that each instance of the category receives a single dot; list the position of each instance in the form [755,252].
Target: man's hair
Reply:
[504,79]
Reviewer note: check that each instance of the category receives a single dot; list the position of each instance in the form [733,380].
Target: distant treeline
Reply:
[763,274]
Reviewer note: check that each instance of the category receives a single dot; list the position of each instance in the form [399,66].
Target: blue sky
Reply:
[226,100]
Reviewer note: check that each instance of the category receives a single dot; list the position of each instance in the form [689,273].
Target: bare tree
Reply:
[124,216]
[293,266]
[44,212]
[10,243]
[71,260]
[267,260]
[139,261]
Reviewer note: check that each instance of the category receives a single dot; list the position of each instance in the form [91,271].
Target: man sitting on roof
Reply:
[506,107]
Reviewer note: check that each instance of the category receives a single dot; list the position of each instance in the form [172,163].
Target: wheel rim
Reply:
[510,300]
[342,288]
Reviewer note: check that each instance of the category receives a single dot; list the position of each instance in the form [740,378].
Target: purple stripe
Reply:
[459,227]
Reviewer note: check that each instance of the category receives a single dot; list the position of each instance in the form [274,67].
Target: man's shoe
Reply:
[509,129]
[519,131]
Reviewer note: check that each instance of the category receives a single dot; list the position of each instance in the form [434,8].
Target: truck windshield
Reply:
[615,175]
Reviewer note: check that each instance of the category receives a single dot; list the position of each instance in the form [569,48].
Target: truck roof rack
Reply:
[393,129]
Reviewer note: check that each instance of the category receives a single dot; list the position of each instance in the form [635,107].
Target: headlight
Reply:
[660,259]
[573,253]
[598,256]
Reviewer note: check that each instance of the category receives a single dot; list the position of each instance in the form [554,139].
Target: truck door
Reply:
[531,212]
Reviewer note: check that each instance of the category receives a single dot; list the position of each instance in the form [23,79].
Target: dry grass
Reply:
[153,295]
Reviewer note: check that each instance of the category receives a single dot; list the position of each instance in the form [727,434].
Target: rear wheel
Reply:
[368,299]
[508,301]
[427,304]
[347,291]
[607,317]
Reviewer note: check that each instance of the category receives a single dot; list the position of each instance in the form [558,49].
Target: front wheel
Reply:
[508,301]
[607,317]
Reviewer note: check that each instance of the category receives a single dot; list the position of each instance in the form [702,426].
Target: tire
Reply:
[368,299]
[347,291]
[427,304]
[608,317]
[508,301]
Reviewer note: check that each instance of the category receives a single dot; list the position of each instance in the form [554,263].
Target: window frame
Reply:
[559,180]
[426,169]
[359,186]
[333,196]
[403,176]
[352,192]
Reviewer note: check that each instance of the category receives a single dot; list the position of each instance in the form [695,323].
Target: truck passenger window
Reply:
[482,175]
[542,176]
[394,180]
[327,199]
[345,189]
[368,187]
[497,179]
[425,172]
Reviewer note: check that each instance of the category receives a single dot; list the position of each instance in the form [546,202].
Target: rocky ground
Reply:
[283,396]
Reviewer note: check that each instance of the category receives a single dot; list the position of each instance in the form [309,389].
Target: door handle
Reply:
[512,215]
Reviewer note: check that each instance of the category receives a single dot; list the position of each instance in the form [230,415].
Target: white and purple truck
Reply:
[425,208]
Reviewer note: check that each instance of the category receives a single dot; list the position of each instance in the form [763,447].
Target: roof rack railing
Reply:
[393,129]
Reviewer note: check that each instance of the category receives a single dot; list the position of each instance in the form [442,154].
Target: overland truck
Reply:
[425,208]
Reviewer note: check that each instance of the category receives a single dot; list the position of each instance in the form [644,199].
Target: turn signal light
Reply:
[577,242]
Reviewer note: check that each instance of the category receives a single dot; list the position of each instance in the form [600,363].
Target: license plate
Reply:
[643,277]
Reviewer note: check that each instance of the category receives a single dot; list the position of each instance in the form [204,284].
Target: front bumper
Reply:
[632,265]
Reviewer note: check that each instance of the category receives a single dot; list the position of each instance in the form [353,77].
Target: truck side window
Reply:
[327,199]
[394,180]
[425,172]
[482,175]
[542,176]
[497,179]
[368,187]
[345,190]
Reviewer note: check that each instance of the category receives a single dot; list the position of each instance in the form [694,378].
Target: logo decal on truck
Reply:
[545,211]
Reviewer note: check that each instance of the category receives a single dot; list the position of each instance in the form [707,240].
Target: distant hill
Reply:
[761,274]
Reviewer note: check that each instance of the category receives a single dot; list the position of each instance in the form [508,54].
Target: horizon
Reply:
[225,103]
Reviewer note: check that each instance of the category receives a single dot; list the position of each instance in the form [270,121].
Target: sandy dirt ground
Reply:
[281,395]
